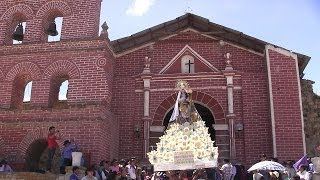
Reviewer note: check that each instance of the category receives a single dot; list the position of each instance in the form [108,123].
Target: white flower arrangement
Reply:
[184,137]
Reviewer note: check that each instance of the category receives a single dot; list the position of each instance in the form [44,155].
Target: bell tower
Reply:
[64,83]
[80,19]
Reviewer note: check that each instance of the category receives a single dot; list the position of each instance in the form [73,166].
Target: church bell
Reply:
[18,33]
[52,30]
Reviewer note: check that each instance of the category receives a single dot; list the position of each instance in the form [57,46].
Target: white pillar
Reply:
[230,93]
[146,113]
[230,115]
[146,89]
[146,136]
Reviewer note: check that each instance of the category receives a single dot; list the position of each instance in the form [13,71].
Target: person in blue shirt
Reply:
[69,147]
[66,157]
[75,174]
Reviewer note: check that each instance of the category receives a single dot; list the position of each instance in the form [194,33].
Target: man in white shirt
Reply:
[256,175]
[233,171]
[303,173]
[226,169]
[131,169]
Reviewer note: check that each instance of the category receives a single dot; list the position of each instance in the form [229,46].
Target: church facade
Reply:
[121,93]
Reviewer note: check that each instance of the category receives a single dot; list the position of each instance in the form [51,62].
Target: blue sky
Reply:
[292,24]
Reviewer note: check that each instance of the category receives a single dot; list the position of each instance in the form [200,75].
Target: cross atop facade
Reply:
[189,64]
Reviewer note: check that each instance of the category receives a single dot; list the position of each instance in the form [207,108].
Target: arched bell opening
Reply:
[16,26]
[52,26]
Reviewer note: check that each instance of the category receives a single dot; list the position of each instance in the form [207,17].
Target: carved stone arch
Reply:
[24,67]
[220,136]
[61,6]
[19,8]
[62,66]
[199,97]
[39,133]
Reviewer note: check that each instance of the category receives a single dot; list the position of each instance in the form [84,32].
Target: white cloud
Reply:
[139,7]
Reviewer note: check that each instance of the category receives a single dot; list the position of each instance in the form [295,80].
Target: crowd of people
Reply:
[293,171]
[130,169]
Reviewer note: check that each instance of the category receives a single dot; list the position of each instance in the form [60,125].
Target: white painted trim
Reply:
[196,88]
[193,52]
[132,50]
[230,93]
[301,108]
[229,43]
[223,135]
[220,127]
[165,78]
[196,31]
[282,51]
[146,103]
[190,29]
[243,48]
[169,36]
[273,127]
[210,76]
[157,128]
[186,78]
[230,100]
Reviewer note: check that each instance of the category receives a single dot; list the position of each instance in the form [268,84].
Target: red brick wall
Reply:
[80,18]
[105,97]
[251,101]
[287,112]
[92,129]
[80,57]
[90,84]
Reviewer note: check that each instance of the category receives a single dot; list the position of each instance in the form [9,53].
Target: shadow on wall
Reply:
[37,155]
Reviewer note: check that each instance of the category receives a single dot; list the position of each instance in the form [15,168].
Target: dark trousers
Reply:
[67,162]
[51,152]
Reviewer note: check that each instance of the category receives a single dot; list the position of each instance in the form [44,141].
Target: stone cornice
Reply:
[61,46]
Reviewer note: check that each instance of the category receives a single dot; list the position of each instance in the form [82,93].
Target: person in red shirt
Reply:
[53,136]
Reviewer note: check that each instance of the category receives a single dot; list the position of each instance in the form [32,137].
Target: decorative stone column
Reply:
[146,77]
[229,74]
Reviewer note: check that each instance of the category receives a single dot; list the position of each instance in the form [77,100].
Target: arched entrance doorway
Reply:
[33,155]
[37,156]
[205,114]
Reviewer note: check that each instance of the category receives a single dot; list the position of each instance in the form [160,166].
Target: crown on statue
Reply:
[183,85]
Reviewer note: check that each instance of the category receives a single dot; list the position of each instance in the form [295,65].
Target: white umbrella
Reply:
[267,165]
